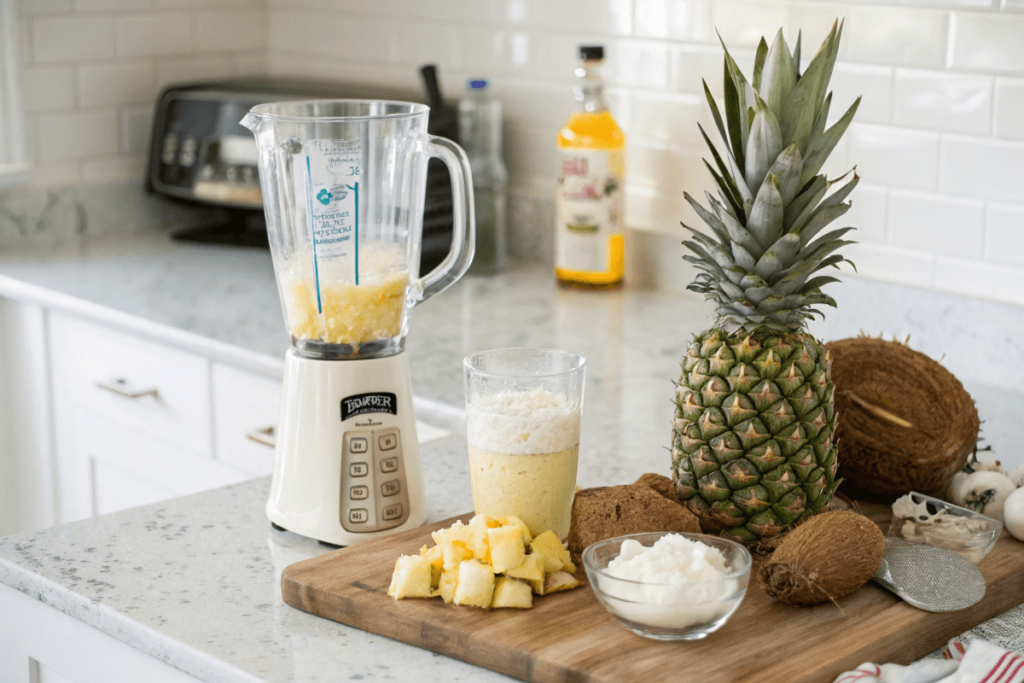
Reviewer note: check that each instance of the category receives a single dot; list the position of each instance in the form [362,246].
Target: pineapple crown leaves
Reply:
[764,245]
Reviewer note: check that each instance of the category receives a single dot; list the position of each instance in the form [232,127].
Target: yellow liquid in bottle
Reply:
[597,131]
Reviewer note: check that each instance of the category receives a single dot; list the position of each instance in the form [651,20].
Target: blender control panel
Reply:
[374,495]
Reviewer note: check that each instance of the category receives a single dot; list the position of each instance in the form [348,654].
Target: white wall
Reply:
[939,138]
[938,141]
[92,70]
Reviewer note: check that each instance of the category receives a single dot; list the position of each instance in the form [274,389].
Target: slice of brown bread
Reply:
[610,511]
[660,483]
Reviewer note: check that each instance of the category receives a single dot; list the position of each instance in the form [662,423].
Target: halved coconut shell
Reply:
[905,423]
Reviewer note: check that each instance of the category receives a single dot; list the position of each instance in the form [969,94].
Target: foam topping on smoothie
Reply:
[523,423]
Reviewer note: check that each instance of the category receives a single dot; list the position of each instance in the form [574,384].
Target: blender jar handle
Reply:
[458,259]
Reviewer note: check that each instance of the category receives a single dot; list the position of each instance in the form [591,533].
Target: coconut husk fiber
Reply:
[905,423]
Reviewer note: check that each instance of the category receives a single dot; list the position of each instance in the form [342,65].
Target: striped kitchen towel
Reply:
[982,662]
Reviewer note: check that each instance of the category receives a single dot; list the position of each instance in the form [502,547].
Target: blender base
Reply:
[347,465]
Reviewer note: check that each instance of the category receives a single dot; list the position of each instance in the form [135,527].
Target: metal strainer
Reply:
[930,578]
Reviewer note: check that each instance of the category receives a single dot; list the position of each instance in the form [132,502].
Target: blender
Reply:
[343,189]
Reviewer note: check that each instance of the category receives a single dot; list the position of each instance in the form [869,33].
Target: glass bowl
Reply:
[961,530]
[669,611]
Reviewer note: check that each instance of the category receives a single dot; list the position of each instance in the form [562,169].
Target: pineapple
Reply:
[453,553]
[475,584]
[531,569]
[411,578]
[449,582]
[556,557]
[512,520]
[511,593]
[753,448]
[506,548]
[559,581]
[435,557]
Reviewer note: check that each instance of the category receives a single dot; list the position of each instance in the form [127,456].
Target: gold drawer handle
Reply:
[123,388]
[263,436]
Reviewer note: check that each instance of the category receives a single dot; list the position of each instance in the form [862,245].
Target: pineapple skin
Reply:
[752,443]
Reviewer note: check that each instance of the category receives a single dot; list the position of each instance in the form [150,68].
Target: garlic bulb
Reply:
[983,491]
[1013,514]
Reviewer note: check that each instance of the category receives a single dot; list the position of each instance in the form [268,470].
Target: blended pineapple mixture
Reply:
[352,314]
[523,452]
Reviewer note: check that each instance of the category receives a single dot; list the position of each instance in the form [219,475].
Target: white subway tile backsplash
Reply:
[115,83]
[234,29]
[154,34]
[873,84]
[531,154]
[48,88]
[73,136]
[672,118]
[897,36]
[111,5]
[640,64]
[659,213]
[1010,108]
[113,169]
[686,20]
[742,23]
[979,278]
[62,38]
[136,126]
[172,70]
[992,43]
[954,4]
[930,222]
[1013,5]
[690,64]
[983,169]
[419,44]
[944,101]
[605,17]
[892,264]
[45,6]
[1004,234]
[897,157]
[531,103]
[868,213]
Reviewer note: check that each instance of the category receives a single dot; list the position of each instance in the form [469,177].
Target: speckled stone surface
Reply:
[194,581]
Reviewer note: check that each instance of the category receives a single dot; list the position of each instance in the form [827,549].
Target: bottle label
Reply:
[588,210]
[332,173]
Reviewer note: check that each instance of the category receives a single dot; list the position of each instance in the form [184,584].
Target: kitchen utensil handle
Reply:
[122,388]
[458,259]
[263,436]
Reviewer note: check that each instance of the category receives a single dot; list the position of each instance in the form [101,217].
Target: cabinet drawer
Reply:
[145,386]
[125,469]
[245,410]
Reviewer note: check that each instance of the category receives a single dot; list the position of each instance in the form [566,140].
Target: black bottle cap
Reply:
[588,52]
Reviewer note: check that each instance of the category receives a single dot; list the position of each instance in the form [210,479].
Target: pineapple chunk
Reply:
[455,552]
[559,581]
[455,532]
[475,538]
[556,557]
[530,569]
[511,593]
[436,559]
[512,520]
[449,581]
[475,585]
[506,546]
[411,578]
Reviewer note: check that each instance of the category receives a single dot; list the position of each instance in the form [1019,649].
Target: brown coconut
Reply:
[905,423]
[826,558]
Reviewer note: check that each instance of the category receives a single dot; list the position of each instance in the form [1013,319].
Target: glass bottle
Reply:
[589,247]
[480,136]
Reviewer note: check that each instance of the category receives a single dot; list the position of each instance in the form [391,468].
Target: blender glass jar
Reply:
[343,185]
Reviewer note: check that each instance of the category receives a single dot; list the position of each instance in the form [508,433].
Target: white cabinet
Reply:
[138,421]
[245,409]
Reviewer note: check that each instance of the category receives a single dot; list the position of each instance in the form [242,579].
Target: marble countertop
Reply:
[194,581]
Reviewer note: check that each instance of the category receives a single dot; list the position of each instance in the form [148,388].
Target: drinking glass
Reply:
[523,414]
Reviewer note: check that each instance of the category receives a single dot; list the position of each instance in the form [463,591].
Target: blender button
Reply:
[392,512]
[389,465]
[358,469]
[387,442]
[358,445]
[359,492]
[358,516]
[391,488]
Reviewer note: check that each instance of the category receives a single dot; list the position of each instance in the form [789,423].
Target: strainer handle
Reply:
[458,259]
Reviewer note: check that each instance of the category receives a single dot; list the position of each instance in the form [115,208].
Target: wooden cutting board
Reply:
[570,637]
